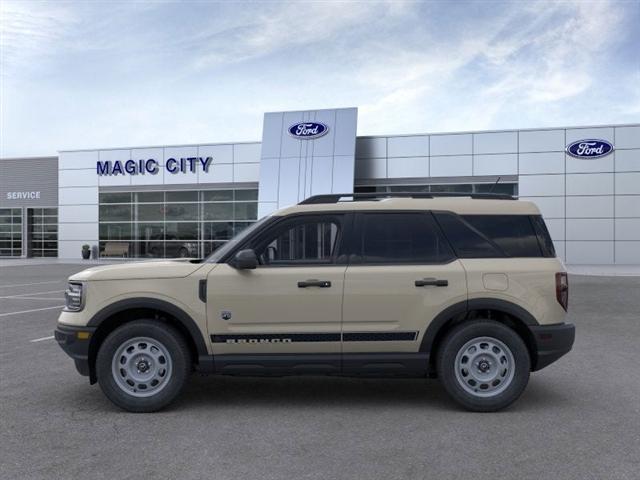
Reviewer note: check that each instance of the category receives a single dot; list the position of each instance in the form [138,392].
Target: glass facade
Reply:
[507,188]
[10,232]
[184,223]
[42,229]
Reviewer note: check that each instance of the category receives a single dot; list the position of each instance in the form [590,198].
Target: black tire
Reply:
[452,344]
[177,349]
[183,253]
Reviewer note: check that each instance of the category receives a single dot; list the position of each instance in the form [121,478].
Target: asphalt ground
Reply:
[578,418]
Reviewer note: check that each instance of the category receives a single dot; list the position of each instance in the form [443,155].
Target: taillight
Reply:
[562,289]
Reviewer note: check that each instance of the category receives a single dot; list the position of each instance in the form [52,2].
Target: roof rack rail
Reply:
[335,197]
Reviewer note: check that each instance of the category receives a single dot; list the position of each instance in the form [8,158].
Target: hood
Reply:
[139,270]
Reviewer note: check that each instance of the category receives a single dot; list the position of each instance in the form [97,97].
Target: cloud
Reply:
[541,55]
[552,64]
[30,30]
[299,28]
[79,74]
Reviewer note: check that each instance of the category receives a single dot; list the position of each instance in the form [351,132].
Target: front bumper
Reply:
[75,343]
[552,342]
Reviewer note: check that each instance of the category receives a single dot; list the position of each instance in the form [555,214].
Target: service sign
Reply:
[308,130]
[23,195]
[589,149]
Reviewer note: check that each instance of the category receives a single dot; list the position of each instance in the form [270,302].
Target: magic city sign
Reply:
[589,148]
[151,166]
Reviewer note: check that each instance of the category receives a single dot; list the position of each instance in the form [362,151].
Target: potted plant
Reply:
[86,252]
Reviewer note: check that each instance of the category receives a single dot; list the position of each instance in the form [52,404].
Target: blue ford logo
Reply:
[308,130]
[589,148]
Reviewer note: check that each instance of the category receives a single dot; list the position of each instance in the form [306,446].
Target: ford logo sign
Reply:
[589,148]
[308,130]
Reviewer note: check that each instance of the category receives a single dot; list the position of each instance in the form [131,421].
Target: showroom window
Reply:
[42,228]
[10,232]
[506,188]
[185,223]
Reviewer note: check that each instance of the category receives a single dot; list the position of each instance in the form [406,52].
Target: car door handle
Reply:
[432,282]
[314,283]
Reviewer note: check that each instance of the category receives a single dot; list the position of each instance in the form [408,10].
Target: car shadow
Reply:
[206,392]
[340,392]
[306,391]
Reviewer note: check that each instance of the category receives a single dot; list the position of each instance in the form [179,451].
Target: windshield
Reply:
[215,256]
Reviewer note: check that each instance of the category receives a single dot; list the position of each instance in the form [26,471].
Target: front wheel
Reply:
[483,365]
[143,365]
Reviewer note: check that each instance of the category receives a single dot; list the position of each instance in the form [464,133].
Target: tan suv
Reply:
[465,288]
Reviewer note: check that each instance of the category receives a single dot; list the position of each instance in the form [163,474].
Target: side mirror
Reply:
[245,260]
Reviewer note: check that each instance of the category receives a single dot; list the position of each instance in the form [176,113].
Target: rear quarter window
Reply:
[488,236]
[544,239]
[514,234]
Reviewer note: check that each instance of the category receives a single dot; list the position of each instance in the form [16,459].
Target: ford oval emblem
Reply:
[589,148]
[308,130]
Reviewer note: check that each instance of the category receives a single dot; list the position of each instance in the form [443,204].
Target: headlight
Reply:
[74,297]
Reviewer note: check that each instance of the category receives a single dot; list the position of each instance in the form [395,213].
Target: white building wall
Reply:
[592,207]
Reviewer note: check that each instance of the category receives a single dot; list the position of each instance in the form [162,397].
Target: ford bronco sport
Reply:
[464,288]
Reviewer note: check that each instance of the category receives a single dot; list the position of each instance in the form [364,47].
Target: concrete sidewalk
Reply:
[605,270]
[21,262]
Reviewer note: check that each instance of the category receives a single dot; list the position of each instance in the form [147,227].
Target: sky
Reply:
[97,74]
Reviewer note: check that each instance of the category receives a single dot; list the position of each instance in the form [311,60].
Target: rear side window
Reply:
[402,238]
[466,240]
[514,234]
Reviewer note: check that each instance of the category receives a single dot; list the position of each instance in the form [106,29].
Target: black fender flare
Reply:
[154,303]
[461,309]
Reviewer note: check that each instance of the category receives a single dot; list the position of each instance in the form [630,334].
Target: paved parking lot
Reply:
[578,419]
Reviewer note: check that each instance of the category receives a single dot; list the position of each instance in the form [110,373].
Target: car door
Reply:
[290,304]
[401,275]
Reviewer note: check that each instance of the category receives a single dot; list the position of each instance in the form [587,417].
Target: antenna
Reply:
[494,185]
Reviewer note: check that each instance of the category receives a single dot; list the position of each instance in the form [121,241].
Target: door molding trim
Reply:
[285,337]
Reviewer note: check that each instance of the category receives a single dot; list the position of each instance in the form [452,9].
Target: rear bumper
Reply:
[77,348]
[552,342]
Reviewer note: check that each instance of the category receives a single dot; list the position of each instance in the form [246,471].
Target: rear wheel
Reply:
[143,365]
[483,365]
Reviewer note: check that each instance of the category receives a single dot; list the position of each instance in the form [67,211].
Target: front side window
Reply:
[300,241]
[218,254]
[402,238]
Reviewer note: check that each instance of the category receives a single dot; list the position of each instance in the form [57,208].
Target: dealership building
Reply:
[185,200]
